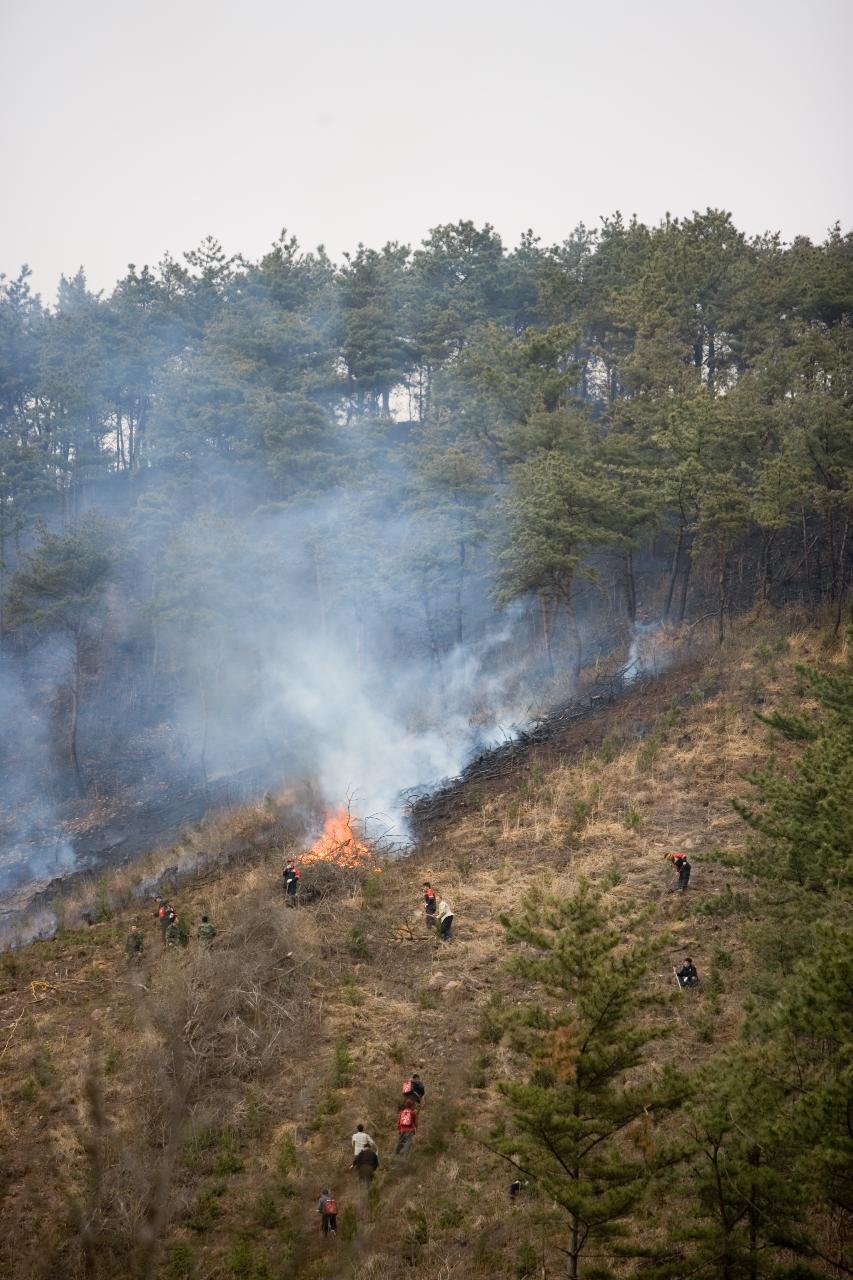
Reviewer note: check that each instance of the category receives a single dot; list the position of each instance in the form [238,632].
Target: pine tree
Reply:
[59,588]
[802,821]
[580,1122]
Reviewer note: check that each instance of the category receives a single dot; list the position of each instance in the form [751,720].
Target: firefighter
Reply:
[682,866]
[361,1141]
[134,944]
[206,930]
[365,1164]
[430,905]
[290,876]
[407,1127]
[327,1207]
[413,1090]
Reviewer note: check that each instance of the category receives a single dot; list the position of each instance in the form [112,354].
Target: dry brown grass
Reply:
[226,1101]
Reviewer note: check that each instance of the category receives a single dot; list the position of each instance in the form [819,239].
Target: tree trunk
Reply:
[460,583]
[673,573]
[546,631]
[754,1160]
[573,1270]
[766,581]
[721,588]
[712,360]
[75,707]
[685,583]
[841,575]
[630,586]
[574,630]
[806,555]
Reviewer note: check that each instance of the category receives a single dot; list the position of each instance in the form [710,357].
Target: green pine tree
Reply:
[801,820]
[59,589]
[580,1123]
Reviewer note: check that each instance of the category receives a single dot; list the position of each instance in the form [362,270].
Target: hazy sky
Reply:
[129,127]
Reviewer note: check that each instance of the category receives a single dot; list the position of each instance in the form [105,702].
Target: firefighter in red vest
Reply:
[413,1090]
[407,1127]
[430,904]
[682,866]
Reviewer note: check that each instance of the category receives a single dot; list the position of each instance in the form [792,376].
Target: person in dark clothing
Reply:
[683,868]
[365,1164]
[327,1207]
[430,904]
[413,1090]
[290,878]
[687,975]
[515,1190]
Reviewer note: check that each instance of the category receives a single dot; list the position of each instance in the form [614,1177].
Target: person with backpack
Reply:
[413,1090]
[445,921]
[430,905]
[206,931]
[290,878]
[327,1207]
[162,915]
[407,1127]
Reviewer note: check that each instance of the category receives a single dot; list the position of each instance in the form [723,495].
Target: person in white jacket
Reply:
[361,1141]
[445,921]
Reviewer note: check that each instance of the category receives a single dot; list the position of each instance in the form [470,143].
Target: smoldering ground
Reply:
[314,643]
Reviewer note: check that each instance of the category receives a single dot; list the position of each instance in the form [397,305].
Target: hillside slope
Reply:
[178,1118]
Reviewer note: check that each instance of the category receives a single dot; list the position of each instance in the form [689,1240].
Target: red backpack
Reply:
[408,1119]
[407,1086]
[331,1206]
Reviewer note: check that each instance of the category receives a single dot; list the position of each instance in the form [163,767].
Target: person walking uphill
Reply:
[407,1127]
[365,1164]
[134,944]
[413,1090]
[327,1207]
[445,921]
[361,1141]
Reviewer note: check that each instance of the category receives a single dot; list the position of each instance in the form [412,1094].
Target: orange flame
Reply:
[338,843]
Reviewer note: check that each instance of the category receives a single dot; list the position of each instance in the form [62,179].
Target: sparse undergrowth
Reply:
[212,1092]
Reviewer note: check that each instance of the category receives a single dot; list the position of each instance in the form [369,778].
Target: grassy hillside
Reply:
[178,1118]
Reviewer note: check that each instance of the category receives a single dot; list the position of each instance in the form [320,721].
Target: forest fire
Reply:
[339,843]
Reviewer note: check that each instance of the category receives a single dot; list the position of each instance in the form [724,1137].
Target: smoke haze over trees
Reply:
[341,521]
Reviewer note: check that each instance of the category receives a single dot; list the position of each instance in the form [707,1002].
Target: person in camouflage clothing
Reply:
[206,931]
[134,943]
